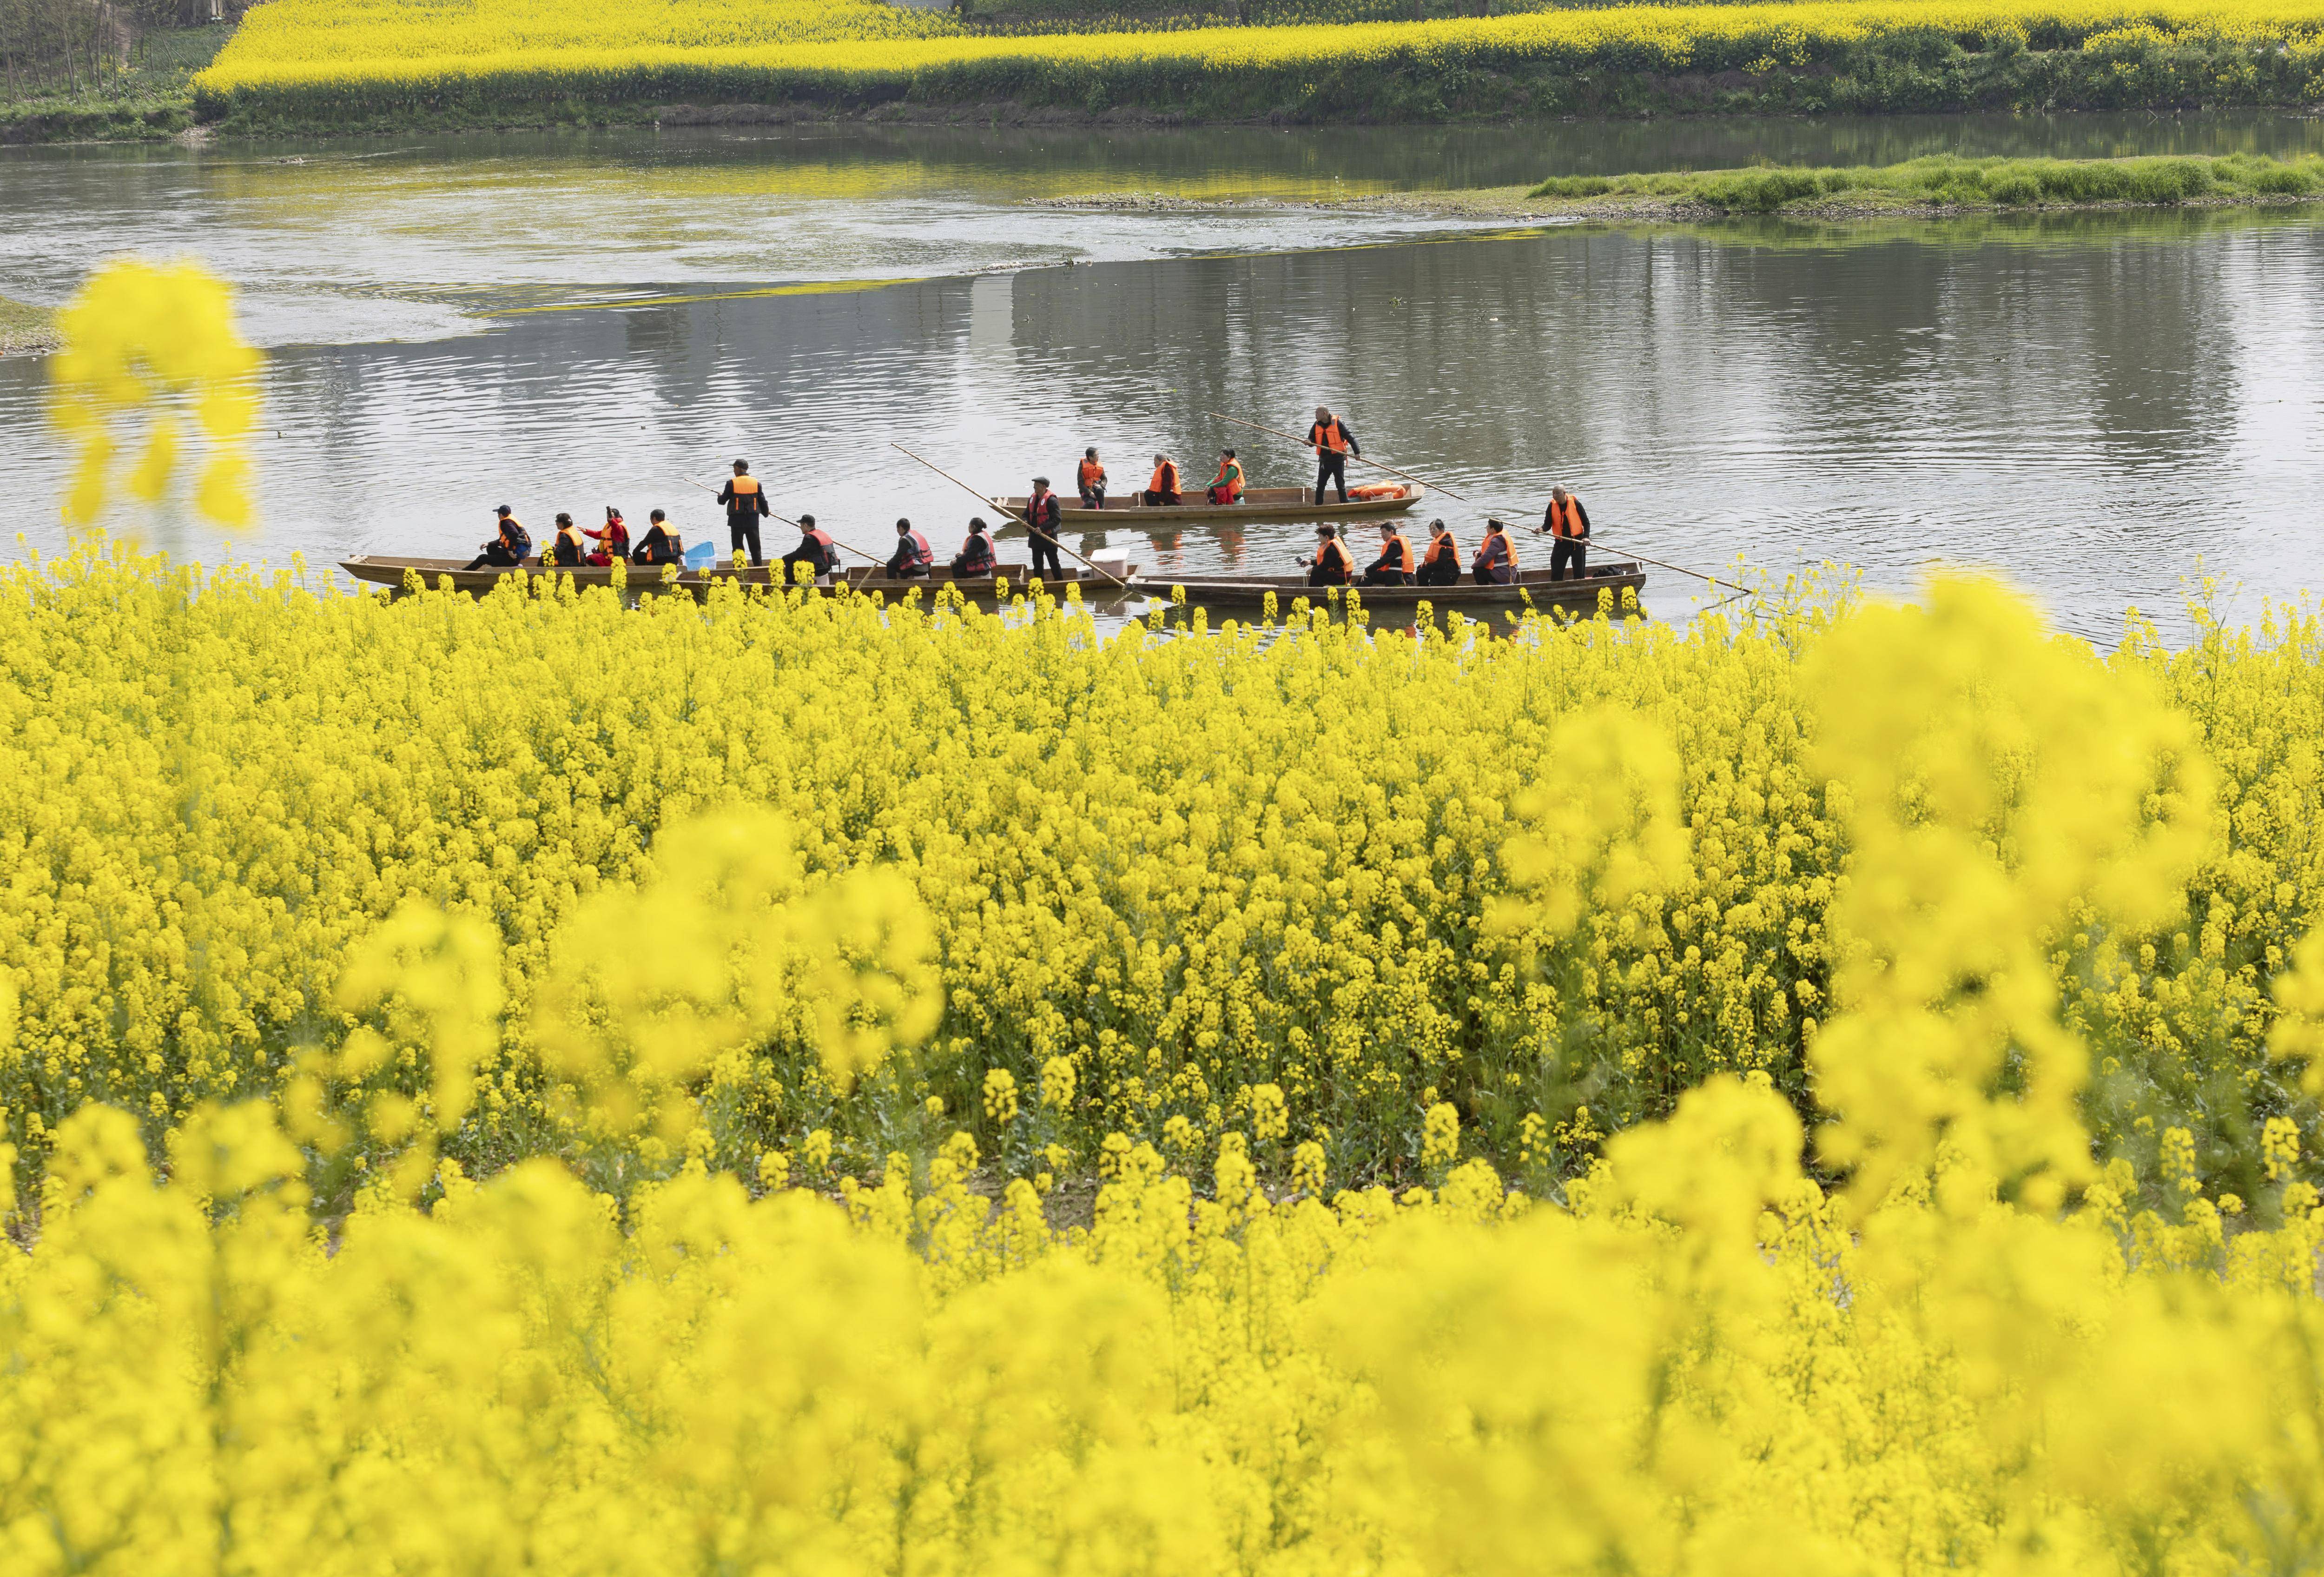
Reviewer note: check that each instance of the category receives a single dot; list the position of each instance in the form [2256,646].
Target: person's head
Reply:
[563,520]
[1322,413]
[1559,494]
[1327,530]
[903,528]
[742,467]
[1040,485]
[1436,527]
[1090,453]
[613,515]
[1161,459]
[1493,526]
[1387,529]
[1226,454]
[657,517]
[504,511]
[806,522]
[976,526]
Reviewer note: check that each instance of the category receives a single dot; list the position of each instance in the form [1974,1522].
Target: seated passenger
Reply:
[1441,567]
[913,557]
[1092,479]
[612,542]
[1226,487]
[659,545]
[816,550]
[1332,565]
[975,560]
[1394,565]
[567,551]
[1497,559]
[1163,487]
[510,546]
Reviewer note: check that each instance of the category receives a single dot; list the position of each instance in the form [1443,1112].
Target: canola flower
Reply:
[1705,1362]
[323,54]
[1265,884]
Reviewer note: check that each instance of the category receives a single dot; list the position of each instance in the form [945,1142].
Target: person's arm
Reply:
[1584,516]
[760,498]
[1382,561]
[726,496]
[1349,433]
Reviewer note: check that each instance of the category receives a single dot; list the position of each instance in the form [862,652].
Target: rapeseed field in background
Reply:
[323,57]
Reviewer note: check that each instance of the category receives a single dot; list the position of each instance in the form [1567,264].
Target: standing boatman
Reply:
[746,505]
[1045,518]
[1334,444]
[1568,524]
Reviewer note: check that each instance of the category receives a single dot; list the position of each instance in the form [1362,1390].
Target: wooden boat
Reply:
[1259,503]
[985,590]
[1245,596]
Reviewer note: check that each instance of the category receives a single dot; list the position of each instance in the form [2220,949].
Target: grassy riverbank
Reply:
[26,330]
[1934,186]
[382,64]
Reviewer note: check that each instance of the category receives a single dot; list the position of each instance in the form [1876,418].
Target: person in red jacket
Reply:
[612,542]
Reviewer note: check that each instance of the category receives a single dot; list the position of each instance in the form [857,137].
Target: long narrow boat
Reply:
[1245,596]
[985,590]
[1259,503]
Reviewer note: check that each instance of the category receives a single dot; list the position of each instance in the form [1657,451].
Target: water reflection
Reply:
[2090,404]
[352,241]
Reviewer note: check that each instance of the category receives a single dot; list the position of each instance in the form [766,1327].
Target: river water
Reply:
[2099,404]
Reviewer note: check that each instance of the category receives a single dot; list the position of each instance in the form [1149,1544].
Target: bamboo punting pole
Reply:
[999,508]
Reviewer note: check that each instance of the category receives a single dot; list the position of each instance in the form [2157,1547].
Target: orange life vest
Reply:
[1495,553]
[1230,477]
[1402,549]
[1165,478]
[1565,517]
[1444,546]
[1337,555]
[917,554]
[976,555]
[1092,473]
[1334,437]
[744,488]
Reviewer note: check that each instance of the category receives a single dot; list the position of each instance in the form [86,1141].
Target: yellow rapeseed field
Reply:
[1976,1353]
[321,51]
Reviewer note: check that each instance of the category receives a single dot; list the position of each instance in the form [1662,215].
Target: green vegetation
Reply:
[141,86]
[1955,182]
[25,331]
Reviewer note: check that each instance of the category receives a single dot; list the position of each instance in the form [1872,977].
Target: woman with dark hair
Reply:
[568,552]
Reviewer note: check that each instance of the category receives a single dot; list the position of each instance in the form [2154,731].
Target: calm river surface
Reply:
[2095,403]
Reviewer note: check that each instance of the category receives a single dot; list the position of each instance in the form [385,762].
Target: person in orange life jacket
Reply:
[746,506]
[1045,518]
[975,561]
[1495,562]
[1334,443]
[913,557]
[510,546]
[1566,521]
[1332,565]
[1164,486]
[816,550]
[565,549]
[1442,565]
[1092,481]
[1226,487]
[1394,565]
[658,545]
[612,542]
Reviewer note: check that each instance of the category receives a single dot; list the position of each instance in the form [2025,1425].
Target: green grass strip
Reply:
[1944,180]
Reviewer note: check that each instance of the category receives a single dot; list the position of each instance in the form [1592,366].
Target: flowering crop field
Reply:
[319,56]
[305,890]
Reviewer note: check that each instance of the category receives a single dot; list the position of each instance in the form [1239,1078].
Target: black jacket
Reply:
[1549,519]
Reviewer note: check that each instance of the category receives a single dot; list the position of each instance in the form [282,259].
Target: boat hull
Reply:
[986,591]
[1244,598]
